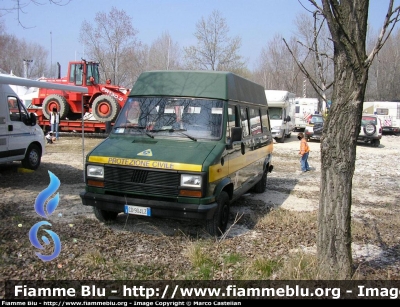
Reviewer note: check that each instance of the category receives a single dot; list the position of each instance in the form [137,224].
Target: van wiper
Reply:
[176,130]
[183,133]
[141,128]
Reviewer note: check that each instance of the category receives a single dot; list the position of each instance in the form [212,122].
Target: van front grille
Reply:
[132,180]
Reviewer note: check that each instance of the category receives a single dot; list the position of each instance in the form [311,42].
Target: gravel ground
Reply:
[376,191]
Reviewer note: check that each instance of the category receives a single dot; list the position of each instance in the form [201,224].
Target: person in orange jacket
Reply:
[304,151]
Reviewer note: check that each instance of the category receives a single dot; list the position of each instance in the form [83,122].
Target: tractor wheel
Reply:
[55,101]
[105,108]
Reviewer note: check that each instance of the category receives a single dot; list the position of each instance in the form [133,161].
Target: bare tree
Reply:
[19,50]
[19,7]
[277,68]
[110,42]
[164,53]
[347,22]
[317,54]
[384,71]
[215,50]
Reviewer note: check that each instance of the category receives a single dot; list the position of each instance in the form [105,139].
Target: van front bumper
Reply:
[158,208]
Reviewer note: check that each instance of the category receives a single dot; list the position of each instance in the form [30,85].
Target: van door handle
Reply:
[10,127]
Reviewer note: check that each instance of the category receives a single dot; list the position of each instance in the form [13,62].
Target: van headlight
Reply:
[95,171]
[191,181]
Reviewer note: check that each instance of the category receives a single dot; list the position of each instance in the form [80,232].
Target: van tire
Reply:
[261,185]
[375,143]
[32,157]
[217,225]
[104,216]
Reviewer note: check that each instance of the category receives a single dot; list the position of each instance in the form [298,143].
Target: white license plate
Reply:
[138,210]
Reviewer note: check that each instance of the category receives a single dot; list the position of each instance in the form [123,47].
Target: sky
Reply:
[57,28]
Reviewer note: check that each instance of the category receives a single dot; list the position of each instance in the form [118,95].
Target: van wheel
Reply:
[281,140]
[217,225]
[375,143]
[32,157]
[104,216]
[261,186]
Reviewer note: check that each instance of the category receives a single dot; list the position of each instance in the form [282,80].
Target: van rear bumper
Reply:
[158,208]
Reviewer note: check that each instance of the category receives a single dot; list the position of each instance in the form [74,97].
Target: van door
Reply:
[246,168]
[18,132]
[3,126]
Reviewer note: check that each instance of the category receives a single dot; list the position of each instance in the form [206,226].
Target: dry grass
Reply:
[279,245]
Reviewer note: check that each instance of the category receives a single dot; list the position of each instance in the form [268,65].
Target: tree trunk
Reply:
[348,23]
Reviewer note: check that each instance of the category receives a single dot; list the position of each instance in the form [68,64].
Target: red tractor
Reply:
[104,101]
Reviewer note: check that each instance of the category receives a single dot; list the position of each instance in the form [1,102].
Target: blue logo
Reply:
[45,211]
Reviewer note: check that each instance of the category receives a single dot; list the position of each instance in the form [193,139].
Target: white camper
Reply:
[21,138]
[281,113]
[304,109]
[388,112]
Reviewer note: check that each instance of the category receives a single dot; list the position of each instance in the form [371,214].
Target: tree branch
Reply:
[383,36]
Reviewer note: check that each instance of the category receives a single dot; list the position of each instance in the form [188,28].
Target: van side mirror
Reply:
[236,133]
[32,119]
[288,119]
[236,136]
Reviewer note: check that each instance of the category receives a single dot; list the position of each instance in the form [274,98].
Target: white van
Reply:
[304,108]
[281,113]
[21,139]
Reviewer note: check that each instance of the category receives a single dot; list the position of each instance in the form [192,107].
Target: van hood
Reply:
[276,122]
[164,154]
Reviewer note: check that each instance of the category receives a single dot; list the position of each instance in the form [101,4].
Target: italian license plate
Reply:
[138,210]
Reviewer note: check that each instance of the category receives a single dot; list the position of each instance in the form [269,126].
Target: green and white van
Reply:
[199,140]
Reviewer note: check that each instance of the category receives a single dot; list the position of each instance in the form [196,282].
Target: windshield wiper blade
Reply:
[176,130]
[141,128]
[183,133]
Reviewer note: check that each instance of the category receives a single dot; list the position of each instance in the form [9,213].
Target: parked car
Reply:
[371,130]
[313,130]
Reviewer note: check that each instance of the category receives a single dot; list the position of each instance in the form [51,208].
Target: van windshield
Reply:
[275,113]
[170,116]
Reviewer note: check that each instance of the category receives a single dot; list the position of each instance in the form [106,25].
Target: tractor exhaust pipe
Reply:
[58,70]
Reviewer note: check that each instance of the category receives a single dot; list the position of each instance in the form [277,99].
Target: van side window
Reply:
[255,121]
[244,121]
[13,108]
[264,119]
[231,120]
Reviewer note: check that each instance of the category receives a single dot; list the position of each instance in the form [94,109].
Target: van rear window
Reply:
[368,120]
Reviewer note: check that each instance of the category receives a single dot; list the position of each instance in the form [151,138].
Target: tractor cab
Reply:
[83,73]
